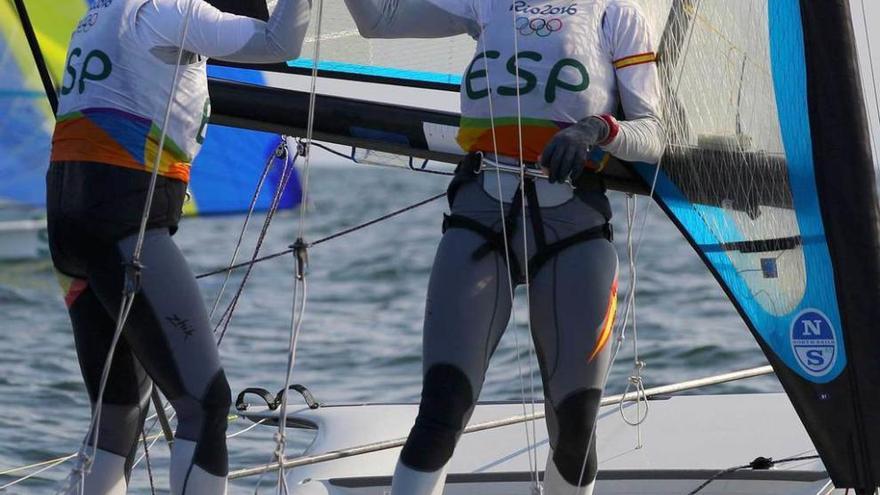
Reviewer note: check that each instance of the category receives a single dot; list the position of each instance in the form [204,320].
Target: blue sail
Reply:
[227,171]
[27,126]
[756,188]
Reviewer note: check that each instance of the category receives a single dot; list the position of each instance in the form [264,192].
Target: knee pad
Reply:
[447,399]
[577,420]
[210,453]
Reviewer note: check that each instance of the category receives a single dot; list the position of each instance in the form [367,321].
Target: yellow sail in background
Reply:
[26,129]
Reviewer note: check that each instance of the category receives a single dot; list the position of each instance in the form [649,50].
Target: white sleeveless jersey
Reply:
[115,92]
[544,64]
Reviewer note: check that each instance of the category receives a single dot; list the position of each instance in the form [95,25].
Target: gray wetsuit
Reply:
[573,297]
[573,266]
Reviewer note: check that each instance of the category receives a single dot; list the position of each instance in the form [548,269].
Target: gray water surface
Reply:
[361,340]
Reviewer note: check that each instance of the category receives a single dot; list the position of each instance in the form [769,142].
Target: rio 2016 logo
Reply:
[523,7]
[539,26]
[813,342]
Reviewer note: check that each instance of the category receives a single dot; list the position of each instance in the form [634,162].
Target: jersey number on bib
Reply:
[95,67]
[530,80]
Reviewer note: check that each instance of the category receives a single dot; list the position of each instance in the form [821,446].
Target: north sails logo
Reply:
[813,342]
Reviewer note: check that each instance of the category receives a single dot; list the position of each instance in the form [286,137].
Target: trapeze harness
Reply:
[469,169]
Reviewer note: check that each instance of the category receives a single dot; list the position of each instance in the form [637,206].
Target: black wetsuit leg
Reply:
[126,399]
[167,336]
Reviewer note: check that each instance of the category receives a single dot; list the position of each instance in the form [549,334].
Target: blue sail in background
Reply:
[227,171]
[27,121]
[224,175]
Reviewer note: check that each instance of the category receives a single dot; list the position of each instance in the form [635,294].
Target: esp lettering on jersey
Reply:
[115,91]
[539,67]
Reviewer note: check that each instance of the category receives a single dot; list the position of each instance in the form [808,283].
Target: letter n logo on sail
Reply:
[813,342]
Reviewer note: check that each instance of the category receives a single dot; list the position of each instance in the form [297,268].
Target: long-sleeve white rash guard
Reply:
[216,34]
[122,70]
[612,65]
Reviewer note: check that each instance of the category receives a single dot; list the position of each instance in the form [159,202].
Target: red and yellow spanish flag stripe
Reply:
[607,323]
[641,58]
[71,287]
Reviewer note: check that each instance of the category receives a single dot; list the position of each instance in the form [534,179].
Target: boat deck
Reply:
[686,440]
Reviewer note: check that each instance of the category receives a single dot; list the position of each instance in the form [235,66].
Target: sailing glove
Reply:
[566,154]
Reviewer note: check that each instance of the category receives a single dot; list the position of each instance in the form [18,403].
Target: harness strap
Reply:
[468,170]
[549,252]
[494,239]
[535,214]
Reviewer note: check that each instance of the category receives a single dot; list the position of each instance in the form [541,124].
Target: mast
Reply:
[848,200]
[45,76]
[831,177]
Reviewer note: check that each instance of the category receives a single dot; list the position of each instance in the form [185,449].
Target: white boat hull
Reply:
[687,440]
[23,240]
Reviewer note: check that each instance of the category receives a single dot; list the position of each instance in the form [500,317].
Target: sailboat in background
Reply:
[768,174]
[224,177]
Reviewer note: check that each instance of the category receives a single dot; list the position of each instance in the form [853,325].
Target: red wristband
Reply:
[613,128]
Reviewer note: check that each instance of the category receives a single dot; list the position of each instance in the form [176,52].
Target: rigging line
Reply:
[633,262]
[760,463]
[286,174]
[253,205]
[52,463]
[37,53]
[651,192]
[296,329]
[161,417]
[47,467]
[631,210]
[377,220]
[628,307]
[635,381]
[533,462]
[83,466]
[764,70]
[247,429]
[353,158]
[687,43]
[310,126]
[301,253]
[149,464]
[532,359]
[259,483]
[332,151]
[871,65]
[56,461]
[153,439]
[663,390]
[132,275]
[331,237]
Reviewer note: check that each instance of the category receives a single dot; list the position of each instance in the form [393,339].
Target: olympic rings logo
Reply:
[540,26]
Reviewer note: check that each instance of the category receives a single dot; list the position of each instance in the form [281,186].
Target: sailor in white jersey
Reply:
[118,81]
[545,87]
